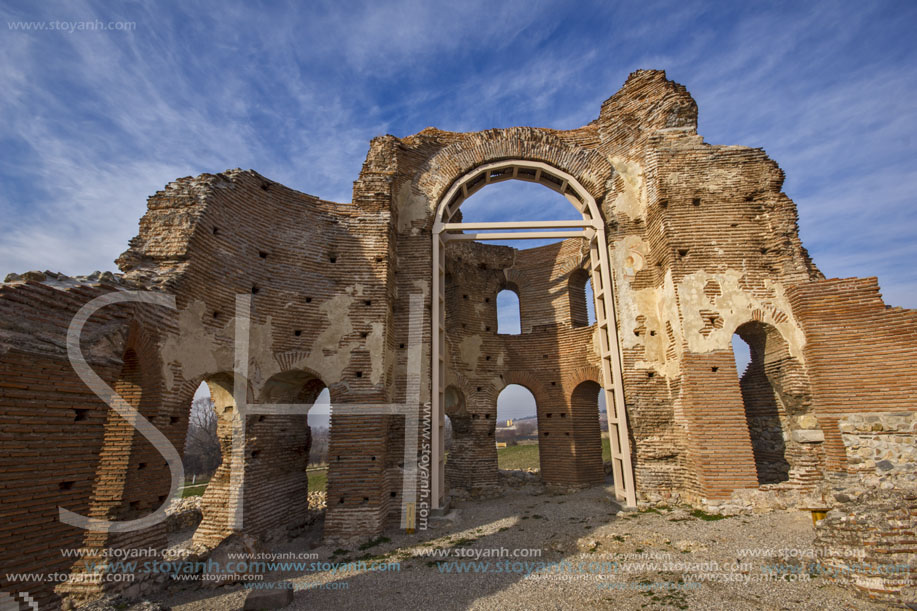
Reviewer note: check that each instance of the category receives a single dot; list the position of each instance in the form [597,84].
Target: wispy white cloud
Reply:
[96,121]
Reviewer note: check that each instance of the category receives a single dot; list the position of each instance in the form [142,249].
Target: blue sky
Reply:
[96,121]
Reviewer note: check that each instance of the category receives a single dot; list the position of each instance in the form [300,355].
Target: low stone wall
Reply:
[881,448]
[869,537]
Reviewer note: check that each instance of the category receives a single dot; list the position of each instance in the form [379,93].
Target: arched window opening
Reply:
[751,344]
[509,313]
[320,425]
[586,407]
[202,453]
[458,441]
[603,429]
[582,299]
[516,432]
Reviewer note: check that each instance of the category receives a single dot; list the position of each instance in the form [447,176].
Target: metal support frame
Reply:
[592,228]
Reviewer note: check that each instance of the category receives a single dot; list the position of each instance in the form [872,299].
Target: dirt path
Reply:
[532,550]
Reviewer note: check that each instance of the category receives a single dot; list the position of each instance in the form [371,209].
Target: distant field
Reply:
[526,456]
[318,480]
[523,456]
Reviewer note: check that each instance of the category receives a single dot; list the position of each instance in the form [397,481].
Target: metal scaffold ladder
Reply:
[591,228]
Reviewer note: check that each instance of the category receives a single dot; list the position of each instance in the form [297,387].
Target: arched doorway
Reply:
[448,227]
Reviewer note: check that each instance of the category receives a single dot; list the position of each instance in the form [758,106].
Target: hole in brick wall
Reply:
[548,415]
[487,358]
[216,314]
[733,225]
[373,459]
[364,334]
[509,312]
[65,485]
[761,356]
[490,433]
[650,374]
[255,290]
[763,251]
[487,300]
[581,298]
[652,333]
[368,302]
[341,502]
[359,374]
[81,414]
[379,259]
[297,332]
[141,466]
[464,296]
[162,499]
[216,231]
[227,409]
[663,203]
[696,201]
[682,252]
[308,300]
[401,346]
[256,453]
[482,266]
[135,505]
[544,356]
[553,383]
[546,433]
[563,415]
[714,369]
[333,258]
[479,389]
[339,458]
[567,434]
[393,494]
[174,419]
[262,254]
[463,325]
[365,499]
[459,259]
[261,418]
[637,332]
[474,416]
[265,186]
[486,416]
[487,328]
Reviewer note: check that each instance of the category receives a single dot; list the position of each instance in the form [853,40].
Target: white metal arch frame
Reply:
[592,228]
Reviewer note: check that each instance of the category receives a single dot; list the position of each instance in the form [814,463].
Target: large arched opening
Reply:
[585,222]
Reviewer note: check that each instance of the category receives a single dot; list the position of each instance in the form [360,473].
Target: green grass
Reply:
[707,517]
[197,490]
[526,456]
[518,457]
[318,480]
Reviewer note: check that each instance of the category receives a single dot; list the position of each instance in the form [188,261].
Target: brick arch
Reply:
[588,373]
[524,379]
[514,279]
[454,161]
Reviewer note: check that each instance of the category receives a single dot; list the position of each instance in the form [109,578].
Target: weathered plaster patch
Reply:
[376,347]
[735,306]
[470,350]
[194,348]
[631,201]
[410,206]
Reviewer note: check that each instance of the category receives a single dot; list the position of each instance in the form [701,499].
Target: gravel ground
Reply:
[607,562]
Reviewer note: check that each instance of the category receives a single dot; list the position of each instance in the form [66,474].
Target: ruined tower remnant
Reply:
[685,243]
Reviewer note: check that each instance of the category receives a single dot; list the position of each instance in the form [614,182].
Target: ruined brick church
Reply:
[685,244]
